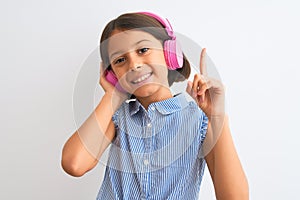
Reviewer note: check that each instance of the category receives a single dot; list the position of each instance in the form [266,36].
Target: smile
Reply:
[142,78]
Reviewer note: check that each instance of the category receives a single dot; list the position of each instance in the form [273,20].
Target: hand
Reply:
[108,87]
[208,92]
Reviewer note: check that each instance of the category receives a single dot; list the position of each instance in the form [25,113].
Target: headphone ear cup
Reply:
[111,77]
[173,54]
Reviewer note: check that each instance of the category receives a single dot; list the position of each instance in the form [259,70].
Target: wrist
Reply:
[114,99]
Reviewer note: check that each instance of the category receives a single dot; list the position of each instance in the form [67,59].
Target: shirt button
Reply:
[153,108]
[149,125]
[146,162]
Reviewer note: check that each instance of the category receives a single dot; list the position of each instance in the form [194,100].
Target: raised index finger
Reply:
[203,70]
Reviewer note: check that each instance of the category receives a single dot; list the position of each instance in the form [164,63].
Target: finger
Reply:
[205,85]
[195,84]
[101,68]
[198,84]
[101,73]
[199,80]
[201,92]
[203,70]
[189,90]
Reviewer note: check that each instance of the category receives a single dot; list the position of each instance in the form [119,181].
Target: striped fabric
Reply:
[156,152]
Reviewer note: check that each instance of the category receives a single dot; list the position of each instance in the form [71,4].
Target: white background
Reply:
[43,44]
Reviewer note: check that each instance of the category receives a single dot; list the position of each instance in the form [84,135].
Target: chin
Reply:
[146,90]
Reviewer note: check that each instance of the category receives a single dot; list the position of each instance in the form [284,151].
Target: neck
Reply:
[162,94]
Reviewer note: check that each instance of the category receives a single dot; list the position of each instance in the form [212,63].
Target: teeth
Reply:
[142,78]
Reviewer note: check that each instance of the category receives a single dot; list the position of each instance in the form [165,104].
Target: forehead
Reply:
[125,40]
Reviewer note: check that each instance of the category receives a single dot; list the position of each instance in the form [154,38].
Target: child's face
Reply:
[138,61]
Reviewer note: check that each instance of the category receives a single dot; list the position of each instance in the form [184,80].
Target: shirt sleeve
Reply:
[203,127]
[115,119]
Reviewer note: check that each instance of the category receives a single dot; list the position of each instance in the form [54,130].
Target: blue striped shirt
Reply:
[156,153]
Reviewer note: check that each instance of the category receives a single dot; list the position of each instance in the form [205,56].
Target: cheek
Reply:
[162,71]
[119,72]
[123,79]
[159,61]
[162,75]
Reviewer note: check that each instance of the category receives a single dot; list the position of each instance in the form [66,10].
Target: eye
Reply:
[119,60]
[143,50]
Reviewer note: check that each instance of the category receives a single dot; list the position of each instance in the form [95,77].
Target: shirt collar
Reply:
[168,106]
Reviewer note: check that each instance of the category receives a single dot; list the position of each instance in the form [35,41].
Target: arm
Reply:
[83,149]
[221,157]
[227,174]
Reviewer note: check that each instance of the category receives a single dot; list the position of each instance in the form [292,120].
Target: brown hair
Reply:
[144,23]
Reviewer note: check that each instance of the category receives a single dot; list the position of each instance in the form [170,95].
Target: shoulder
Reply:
[194,116]
[193,109]
[121,111]
[199,117]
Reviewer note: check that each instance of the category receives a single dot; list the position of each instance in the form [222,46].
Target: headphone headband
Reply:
[164,22]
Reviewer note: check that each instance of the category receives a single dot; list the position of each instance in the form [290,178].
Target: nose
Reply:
[135,63]
[136,67]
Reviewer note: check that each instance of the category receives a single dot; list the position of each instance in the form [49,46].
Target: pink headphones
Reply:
[172,51]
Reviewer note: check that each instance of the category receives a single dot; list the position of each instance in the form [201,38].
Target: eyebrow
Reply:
[118,52]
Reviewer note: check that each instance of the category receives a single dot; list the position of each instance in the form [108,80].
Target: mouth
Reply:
[142,78]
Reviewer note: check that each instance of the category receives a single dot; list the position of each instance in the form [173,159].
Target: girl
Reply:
[160,143]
